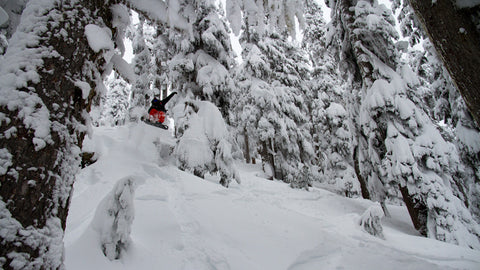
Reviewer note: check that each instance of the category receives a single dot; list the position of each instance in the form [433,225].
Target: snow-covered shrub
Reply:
[203,144]
[371,219]
[114,217]
[303,179]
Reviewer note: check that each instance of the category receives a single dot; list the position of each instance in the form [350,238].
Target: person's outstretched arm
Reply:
[165,100]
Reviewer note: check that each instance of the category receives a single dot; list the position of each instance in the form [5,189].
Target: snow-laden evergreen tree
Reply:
[200,71]
[274,102]
[446,107]
[115,104]
[409,25]
[203,59]
[400,148]
[142,65]
[203,146]
[332,134]
[163,48]
[259,16]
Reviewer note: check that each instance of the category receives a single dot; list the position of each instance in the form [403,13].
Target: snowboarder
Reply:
[157,112]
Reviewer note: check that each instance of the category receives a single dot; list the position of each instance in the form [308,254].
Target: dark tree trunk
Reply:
[164,91]
[418,211]
[37,181]
[363,183]
[457,43]
[247,146]
[267,157]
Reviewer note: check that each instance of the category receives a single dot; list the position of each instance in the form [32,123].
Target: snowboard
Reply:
[159,125]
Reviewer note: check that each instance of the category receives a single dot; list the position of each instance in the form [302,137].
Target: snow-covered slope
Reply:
[183,222]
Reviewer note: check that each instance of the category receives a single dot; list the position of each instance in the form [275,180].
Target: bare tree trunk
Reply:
[363,183]
[164,91]
[457,42]
[43,115]
[418,211]
[247,146]
[267,157]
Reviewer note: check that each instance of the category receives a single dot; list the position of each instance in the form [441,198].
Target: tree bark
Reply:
[457,43]
[42,148]
[363,183]
[418,211]
[268,158]
[247,146]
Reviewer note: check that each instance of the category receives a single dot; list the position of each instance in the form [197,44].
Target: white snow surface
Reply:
[184,222]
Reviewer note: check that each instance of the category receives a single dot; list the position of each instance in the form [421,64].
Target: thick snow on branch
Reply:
[99,38]
[234,15]
[123,68]
[281,15]
[166,12]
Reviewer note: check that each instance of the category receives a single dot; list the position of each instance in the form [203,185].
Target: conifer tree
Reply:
[445,105]
[200,71]
[332,128]
[115,103]
[400,149]
[448,110]
[274,102]
[142,65]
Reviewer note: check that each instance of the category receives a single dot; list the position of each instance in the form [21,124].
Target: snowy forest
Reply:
[372,103]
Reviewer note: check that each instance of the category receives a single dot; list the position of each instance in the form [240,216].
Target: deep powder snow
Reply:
[184,222]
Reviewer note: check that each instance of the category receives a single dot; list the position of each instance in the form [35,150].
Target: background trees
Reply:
[400,150]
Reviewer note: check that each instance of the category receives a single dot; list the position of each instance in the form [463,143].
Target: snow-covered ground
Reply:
[183,222]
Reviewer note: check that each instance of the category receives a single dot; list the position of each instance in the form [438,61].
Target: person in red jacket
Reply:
[157,112]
